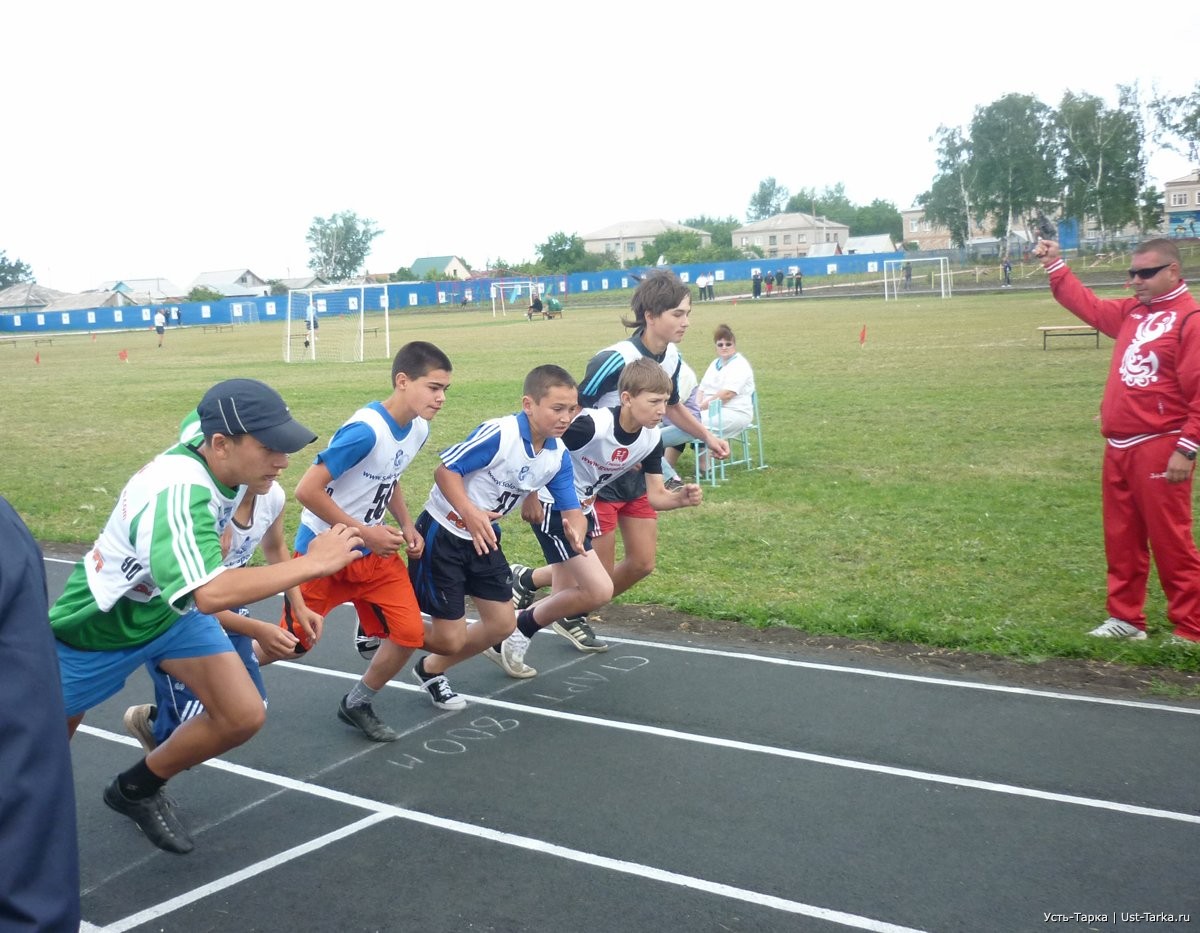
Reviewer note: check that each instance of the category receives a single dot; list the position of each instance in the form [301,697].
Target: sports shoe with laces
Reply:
[576,630]
[139,722]
[365,644]
[363,718]
[523,595]
[1180,642]
[438,687]
[1116,628]
[511,656]
[154,816]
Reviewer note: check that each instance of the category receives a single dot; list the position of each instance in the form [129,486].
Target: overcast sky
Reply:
[169,139]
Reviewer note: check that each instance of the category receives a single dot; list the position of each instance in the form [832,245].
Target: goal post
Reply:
[337,323]
[507,292]
[926,276]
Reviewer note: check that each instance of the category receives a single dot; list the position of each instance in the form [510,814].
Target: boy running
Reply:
[661,306]
[478,482]
[146,592]
[256,520]
[604,444]
[355,481]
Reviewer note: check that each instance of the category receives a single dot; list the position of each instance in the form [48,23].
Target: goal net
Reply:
[337,323]
[903,277]
[514,293]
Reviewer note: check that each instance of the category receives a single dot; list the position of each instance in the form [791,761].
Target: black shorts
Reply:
[555,547]
[449,570]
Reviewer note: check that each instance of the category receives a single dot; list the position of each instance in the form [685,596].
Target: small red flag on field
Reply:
[123,356]
[37,358]
[862,335]
[93,338]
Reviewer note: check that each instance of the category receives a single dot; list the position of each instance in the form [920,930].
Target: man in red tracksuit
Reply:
[1150,416]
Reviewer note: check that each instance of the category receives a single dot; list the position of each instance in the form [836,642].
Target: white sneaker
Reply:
[1115,628]
[1181,642]
[511,656]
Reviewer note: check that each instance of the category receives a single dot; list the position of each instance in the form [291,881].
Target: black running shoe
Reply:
[363,718]
[366,644]
[576,630]
[154,816]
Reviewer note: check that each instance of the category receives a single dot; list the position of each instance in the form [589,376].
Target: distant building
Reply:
[232,283]
[629,239]
[1181,203]
[24,297]
[446,267]
[874,243]
[155,290]
[792,234]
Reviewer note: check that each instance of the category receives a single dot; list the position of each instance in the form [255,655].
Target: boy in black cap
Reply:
[146,591]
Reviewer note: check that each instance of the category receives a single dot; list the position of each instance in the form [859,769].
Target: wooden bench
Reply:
[217,327]
[1068,330]
[15,341]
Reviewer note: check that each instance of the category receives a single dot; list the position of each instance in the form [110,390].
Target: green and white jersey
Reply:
[162,541]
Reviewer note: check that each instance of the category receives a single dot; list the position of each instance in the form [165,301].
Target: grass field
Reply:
[939,484]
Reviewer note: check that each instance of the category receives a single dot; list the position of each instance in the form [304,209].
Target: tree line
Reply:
[1017,158]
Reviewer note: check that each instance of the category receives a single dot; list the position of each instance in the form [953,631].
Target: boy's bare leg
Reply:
[387,662]
[640,538]
[496,622]
[233,712]
[580,585]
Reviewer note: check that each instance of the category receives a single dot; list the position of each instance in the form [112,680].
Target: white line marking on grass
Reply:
[775,751]
[382,811]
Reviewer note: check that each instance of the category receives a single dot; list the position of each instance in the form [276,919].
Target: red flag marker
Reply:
[123,356]
[862,335]
[37,358]
[93,338]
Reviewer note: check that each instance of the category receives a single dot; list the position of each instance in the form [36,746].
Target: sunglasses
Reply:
[1145,274]
[724,343]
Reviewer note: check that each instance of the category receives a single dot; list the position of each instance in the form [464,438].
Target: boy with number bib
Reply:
[146,592]
[477,483]
[604,444]
[355,481]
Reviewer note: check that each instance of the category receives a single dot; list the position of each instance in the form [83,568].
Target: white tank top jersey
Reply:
[610,373]
[243,541]
[603,458]
[364,490]
[507,478]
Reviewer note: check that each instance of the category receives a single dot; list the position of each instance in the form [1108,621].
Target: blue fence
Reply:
[415,295]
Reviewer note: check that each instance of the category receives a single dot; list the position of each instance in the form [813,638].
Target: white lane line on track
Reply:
[885,675]
[911,678]
[733,744]
[381,811]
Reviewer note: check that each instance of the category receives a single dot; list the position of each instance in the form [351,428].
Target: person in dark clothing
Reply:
[39,852]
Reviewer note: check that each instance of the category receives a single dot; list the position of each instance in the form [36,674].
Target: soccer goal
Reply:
[507,292]
[337,323]
[929,276]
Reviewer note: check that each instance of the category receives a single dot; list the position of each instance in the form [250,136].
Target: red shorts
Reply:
[607,512]
[379,590]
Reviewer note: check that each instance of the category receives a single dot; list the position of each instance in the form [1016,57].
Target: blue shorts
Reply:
[449,570]
[91,677]
[174,699]
[555,547]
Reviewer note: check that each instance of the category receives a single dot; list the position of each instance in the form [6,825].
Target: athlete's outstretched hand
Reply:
[336,548]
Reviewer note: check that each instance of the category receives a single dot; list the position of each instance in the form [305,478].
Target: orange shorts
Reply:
[379,590]
[607,512]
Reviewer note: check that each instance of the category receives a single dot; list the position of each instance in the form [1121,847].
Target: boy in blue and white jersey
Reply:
[604,444]
[356,480]
[478,482]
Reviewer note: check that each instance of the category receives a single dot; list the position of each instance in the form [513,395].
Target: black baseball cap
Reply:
[247,406]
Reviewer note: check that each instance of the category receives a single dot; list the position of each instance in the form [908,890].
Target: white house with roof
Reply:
[445,267]
[629,239]
[792,234]
[156,289]
[232,283]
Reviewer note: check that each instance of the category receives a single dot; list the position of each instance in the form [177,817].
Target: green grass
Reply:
[939,484]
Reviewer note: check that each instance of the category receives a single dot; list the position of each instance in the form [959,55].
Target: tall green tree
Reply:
[1150,213]
[338,245]
[878,217]
[13,271]
[769,200]
[1178,122]
[831,203]
[562,252]
[721,228]
[1103,166]
[950,201]
[1015,159]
